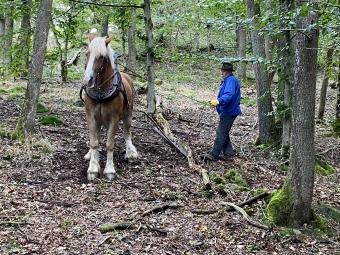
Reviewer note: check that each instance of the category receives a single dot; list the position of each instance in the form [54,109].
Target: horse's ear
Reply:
[91,36]
[108,40]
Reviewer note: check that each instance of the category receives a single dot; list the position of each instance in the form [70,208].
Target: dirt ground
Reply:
[48,207]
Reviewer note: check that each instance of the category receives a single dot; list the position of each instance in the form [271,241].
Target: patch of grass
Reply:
[320,223]
[286,232]
[216,179]
[50,120]
[206,193]
[41,108]
[65,224]
[248,101]
[235,177]
[260,191]
[5,133]
[324,169]
[336,126]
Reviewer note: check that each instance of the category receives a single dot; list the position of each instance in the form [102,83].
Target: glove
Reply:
[213,102]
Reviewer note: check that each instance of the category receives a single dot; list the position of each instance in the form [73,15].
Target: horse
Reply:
[108,100]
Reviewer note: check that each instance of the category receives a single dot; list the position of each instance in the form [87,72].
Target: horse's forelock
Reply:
[98,48]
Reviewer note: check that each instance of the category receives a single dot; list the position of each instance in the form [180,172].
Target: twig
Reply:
[13,223]
[159,230]
[160,209]
[245,215]
[104,240]
[204,211]
[329,149]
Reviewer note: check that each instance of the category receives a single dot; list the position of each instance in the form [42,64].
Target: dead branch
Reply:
[185,149]
[254,199]
[159,230]
[13,223]
[117,226]
[74,59]
[160,208]
[245,215]
[204,211]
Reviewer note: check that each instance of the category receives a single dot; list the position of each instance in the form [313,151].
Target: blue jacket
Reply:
[229,97]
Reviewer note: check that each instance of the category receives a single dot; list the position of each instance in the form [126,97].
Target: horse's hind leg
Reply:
[131,151]
[109,171]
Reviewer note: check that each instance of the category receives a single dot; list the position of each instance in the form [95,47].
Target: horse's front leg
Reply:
[94,167]
[109,171]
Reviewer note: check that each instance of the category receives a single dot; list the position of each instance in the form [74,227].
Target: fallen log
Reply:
[160,208]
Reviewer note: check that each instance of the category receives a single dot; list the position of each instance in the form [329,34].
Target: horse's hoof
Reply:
[131,155]
[110,176]
[92,175]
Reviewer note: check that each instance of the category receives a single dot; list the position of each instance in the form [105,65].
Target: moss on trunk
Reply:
[279,207]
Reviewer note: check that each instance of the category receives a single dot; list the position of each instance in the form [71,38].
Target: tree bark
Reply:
[300,178]
[105,26]
[25,34]
[264,98]
[132,52]
[323,91]
[241,36]
[151,101]
[9,24]
[337,108]
[27,119]
[2,25]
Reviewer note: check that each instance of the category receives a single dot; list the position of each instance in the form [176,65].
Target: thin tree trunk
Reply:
[270,45]
[151,100]
[26,34]
[124,46]
[132,52]
[300,178]
[2,25]
[323,91]
[264,99]
[2,33]
[105,26]
[241,36]
[337,108]
[285,73]
[27,119]
[7,46]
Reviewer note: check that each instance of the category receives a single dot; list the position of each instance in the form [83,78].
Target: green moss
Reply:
[221,189]
[336,126]
[284,167]
[260,191]
[324,169]
[286,232]
[206,193]
[5,133]
[216,179]
[3,91]
[278,208]
[41,108]
[320,223]
[16,93]
[50,120]
[234,176]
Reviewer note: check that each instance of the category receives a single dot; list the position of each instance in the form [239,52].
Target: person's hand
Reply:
[213,102]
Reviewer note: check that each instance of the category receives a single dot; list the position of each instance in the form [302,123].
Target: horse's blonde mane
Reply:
[98,48]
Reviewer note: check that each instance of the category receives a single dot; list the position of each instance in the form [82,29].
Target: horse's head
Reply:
[99,61]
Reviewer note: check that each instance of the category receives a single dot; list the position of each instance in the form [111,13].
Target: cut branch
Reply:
[160,208]
[245,215]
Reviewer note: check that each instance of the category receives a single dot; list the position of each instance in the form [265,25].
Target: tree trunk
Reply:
[300,178]
[25,34]
[27,119]
[337,108]
[285,73]
[2,25]
[151,101]
[7,46]
[124,46]
[105,26]
[264,99]
[241,36]
[132,52]
[323,91]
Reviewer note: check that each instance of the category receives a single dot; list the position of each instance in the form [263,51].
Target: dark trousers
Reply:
[222,141]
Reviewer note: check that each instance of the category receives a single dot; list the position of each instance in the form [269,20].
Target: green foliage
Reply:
[320,223]
[336,126]
[5,133]
[50,120]
[206,193]
[329,211]
[248,101]
[260,191]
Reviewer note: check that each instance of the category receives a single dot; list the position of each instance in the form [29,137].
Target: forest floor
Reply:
[48,207]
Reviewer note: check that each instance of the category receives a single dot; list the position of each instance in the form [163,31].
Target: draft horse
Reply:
[108,99]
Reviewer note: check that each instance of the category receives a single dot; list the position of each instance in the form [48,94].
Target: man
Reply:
[228,107]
